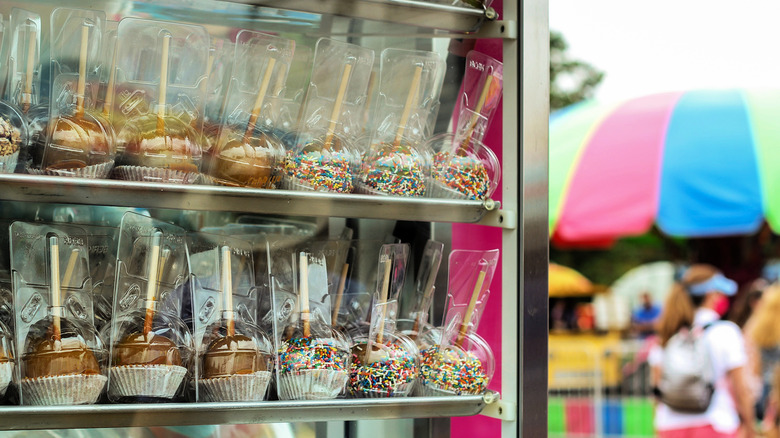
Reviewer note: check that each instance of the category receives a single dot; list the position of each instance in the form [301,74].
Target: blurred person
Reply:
[644,318]
[697,302]
[763,332]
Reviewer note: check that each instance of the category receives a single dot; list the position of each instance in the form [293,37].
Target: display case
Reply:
[513,219]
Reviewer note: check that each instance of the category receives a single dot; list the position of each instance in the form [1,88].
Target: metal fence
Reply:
[599,388]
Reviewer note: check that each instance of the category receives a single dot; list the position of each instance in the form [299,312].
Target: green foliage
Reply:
[570,80]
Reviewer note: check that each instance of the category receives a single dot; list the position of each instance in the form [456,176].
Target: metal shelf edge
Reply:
[26,188]
[190,414]
[409,12]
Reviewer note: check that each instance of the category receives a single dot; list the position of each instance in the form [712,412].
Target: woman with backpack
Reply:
[699,367]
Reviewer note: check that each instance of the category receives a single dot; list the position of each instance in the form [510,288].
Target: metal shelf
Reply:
[31,188]
[408,12]
[190,414]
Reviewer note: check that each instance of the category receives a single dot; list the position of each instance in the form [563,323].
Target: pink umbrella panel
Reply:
[696,163]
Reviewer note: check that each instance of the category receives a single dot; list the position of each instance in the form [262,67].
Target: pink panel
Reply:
[465,236]
[580,417]
[614,189]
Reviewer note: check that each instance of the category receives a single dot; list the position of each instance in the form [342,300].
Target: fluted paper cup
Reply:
[441,190]
[96,171]
[8,162]
[238,387]
[154,174]
[6,375]
[400,390]
[433,390]
[155,381]
[73,389]
[312,384]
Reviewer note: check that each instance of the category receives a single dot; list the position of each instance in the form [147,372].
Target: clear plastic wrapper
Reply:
[158,99]
[79,138]
[463,166]
[417,312]
[397,162]
[324,158]
[23,89]
[62,355]
[235,358]
[102,267]
[384,361]
[312,359]
[289,109]
[24,66]
[454,360]
[352,310]
[151,347]
[248,151]
[6,284]
[221,56]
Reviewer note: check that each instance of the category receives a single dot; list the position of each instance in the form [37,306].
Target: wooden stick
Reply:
[411,101]
[227,290]
[340,292]
[110,87]
[464,326]
[334,116]
[54,282]
[250,127]
[383,299]
[163,85]
[304,295]
[153,278]
[82,84]
[28,80]
[475,117]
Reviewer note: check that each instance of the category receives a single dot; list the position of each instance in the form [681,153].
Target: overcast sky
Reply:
[668,45]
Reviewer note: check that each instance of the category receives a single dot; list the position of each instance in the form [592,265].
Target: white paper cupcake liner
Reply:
[96,171]
[157,381]
[441,190]
[312,384]
[293,183]
[207,180]
[73,389]
[154,174]
[6,375]
[401,390]
[8,162]
[238,387]
[433,390]
[365,189]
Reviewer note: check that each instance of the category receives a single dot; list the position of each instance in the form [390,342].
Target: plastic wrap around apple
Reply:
[79,145]
[248,161]
[61,362]
[237,363]
[148,153]
[456,369]
[149,356]
[13,136]
[393,169]
[471,172]
[389,369]
[325,164]
[313,364]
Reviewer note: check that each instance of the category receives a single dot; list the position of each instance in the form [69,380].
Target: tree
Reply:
[570,80]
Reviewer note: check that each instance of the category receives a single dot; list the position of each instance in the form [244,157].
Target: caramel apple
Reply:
[53,357]
[247,164]
[76,142]
[231,355]
[149,349]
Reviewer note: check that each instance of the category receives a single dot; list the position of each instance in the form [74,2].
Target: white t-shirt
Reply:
[727,349]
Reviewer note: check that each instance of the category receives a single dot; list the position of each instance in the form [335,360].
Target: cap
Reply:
[717,283]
